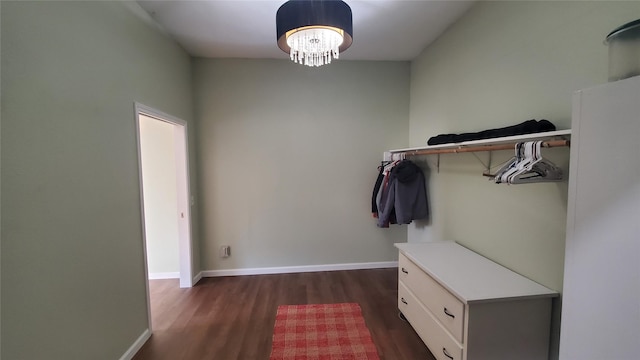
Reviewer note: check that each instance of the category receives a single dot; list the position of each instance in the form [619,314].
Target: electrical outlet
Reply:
[225,251]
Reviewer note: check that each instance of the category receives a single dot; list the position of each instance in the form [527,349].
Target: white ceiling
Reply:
[382,29]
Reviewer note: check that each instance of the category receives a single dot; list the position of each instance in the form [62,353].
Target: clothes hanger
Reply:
[496,174]
[389,166]
[525,160]
[503,167]
[507,167]
[537,170]
[383,163]
[515,166]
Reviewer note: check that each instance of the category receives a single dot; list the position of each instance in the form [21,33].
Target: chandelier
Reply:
[313,32]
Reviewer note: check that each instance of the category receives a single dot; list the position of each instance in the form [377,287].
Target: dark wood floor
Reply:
[230,318]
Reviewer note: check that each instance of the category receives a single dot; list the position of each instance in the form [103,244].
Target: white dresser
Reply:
[467,307]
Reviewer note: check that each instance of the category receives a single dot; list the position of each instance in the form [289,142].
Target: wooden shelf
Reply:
[550,139]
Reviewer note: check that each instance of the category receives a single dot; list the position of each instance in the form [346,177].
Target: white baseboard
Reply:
[197,278]
[165,275]
[299,269]
[137,345]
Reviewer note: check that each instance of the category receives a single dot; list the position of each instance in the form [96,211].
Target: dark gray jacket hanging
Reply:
[406,195]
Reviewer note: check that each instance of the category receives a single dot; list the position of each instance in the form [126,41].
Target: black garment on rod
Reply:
[376,188]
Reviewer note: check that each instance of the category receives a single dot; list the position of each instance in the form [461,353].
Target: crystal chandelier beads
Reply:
[314,32]
[315,45]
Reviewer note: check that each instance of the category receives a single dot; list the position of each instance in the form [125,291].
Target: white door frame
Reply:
[184,193]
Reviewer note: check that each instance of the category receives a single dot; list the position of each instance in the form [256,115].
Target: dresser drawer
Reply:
[436,337]
[442,304]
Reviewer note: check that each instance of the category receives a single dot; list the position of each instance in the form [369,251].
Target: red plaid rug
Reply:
[322,332]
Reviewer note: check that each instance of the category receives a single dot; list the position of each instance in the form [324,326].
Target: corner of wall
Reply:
[137,345]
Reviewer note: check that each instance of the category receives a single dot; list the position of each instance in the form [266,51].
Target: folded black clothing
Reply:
[526,127]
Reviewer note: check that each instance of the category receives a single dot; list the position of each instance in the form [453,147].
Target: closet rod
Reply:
[508,146]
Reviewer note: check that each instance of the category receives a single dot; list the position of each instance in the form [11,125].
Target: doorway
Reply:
[164,187]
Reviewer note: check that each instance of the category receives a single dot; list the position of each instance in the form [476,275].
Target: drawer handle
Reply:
[404,301]
[448,313]
[444,351]
[405,271]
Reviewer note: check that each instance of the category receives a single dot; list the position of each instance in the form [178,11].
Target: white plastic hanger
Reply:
[536,169]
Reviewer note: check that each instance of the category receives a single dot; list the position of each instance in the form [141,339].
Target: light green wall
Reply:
[505,62]
[288,159]
[0,197]
[73,281]
[501,64]
[157,148]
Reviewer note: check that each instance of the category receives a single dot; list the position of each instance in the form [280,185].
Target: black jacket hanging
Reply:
[376,188]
